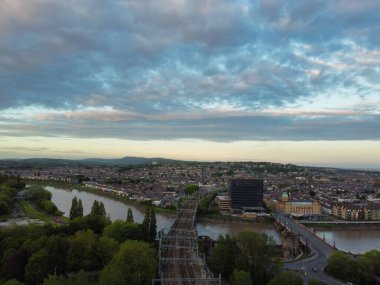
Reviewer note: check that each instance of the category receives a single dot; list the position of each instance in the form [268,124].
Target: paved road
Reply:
[319,249]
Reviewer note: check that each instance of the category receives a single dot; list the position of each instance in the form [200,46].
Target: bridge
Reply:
[312,266]
[180,263]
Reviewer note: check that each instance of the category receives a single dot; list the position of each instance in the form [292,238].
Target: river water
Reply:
[353,240]
[118,210]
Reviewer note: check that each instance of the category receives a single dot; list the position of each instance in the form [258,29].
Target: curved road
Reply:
[319,249]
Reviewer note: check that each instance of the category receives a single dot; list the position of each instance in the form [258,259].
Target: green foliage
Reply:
[6,200]
[134,263]
[357,271]
[76,209]
[44,254]
[204,206]
[80,278]
[341,266]
[314,281]
[82,251]
[39,266]
[42,199]
[13,282]
[250,252]
[98,209]
[191,189]
[55,280]
[122,231]
[286,278]
[150,224]
[224,256]
[240,277]
[258,256]
[129,216]
[106,248]
[15,183]
[13,263]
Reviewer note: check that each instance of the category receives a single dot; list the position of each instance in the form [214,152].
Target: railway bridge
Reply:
[180,263]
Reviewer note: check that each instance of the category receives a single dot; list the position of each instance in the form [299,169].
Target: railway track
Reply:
[180,261]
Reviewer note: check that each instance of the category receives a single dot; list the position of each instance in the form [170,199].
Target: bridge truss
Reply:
[180,263]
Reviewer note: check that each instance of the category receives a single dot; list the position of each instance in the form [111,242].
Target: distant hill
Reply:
[51,162]
[128,160]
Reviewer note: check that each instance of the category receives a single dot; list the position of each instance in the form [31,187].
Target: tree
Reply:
[116,231]
[102,209]
[146,220]
[149,224]
[13,282]
[55,280]
[258,256]
[240,277]
[39,266]
[286,278]
[340,265]
[130,216]
[80,278]
[14,262]
[224,256]
[95,209]
[153,225]
[74,208]
[191,189]
[133,264]
[98,209]
[106,248]
[80,208]
[314,281]
[82,251]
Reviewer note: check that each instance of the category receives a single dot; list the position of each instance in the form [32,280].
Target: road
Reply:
[319,252]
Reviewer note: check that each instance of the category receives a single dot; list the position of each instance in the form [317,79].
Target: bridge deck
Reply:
[180,262]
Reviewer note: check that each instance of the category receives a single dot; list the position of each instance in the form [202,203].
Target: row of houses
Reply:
[356,212]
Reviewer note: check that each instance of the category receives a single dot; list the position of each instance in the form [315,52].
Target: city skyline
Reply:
[194,80]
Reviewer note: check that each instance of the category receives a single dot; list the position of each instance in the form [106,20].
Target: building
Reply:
[246,194]
[348,211]
[372,212]
[296,208]
[223,202]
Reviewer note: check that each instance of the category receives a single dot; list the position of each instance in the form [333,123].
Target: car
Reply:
[315,269]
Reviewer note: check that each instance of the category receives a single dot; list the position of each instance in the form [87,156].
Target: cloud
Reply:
[216,70]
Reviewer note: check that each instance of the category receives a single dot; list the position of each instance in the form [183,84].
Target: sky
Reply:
[281,81]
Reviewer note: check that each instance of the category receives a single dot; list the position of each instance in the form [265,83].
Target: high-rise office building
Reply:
[246,194]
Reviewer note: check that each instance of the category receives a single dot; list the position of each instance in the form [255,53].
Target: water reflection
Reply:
[118,210]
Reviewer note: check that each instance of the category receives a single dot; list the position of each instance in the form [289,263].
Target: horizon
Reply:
[322,165]
[282,81]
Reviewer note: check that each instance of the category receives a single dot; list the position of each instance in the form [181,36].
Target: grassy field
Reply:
[31,212]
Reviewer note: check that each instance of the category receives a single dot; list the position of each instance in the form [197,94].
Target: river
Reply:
[353,240]
[118,210]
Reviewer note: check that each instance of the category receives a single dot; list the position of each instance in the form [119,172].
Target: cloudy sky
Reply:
[283,81]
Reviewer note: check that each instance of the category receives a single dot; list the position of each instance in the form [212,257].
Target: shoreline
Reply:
[109,195]
[218,219]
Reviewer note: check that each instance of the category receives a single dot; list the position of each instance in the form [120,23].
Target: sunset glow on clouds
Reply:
[221,74]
